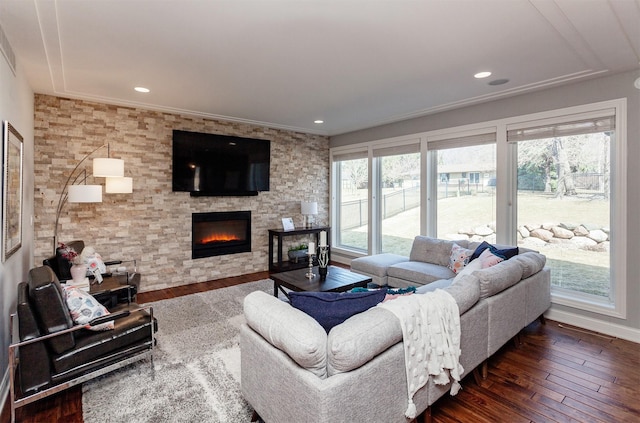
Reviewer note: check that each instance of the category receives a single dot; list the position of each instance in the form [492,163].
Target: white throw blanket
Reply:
[431,335]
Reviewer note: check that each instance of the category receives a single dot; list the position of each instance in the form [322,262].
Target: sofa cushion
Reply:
[332,308]
[92,348]
[361,338]
[466,291]
[531,262]
[459,258]
[499,277]
[433,250]
[469,269]
[288,329]
[376,264]
[419,272]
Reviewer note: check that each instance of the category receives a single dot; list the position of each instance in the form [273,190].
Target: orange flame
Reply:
[220,237]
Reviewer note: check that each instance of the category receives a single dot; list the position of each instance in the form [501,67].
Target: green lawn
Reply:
[585,271]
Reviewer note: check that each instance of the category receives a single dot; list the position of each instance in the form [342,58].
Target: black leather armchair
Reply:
[52,353]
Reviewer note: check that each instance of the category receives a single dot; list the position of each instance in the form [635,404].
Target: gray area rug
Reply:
[195,372]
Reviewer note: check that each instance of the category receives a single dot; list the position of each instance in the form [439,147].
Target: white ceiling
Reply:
[284,63]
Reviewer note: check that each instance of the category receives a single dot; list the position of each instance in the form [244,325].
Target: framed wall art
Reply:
[11,190]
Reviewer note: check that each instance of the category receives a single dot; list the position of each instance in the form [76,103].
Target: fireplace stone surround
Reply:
[153,224]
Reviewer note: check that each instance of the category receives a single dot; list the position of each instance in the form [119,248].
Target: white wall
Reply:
[591,91]
[16,106]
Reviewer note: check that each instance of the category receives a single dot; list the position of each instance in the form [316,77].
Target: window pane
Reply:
[399,202]
[353,194]
[564,208]
[466,192]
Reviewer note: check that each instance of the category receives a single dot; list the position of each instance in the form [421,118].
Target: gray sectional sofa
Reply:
[427,263]
[292,370]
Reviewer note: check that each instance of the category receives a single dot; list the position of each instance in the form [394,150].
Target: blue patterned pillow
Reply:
[332,308]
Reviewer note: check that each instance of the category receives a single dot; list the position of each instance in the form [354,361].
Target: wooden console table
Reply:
[279,265]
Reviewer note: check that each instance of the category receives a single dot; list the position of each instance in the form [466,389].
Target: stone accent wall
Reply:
[153,224]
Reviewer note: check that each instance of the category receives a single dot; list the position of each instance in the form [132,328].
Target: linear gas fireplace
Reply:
[219,233]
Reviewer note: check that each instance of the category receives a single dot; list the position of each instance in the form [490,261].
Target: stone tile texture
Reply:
[153,224]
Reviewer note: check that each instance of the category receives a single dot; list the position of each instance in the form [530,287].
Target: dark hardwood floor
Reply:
[555,374]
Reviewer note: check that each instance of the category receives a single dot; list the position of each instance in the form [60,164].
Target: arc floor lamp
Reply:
[76,190]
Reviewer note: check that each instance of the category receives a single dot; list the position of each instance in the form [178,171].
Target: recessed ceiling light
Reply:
[142,89]
[318,121]
[480,75]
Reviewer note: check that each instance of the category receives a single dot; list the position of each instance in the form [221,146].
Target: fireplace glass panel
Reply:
[220,233]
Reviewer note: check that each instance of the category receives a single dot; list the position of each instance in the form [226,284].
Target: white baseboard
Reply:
[596,325]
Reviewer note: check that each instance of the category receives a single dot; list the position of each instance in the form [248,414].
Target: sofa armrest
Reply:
[289,330]
[109,317]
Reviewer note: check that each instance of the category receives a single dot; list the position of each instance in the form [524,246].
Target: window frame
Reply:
[616,304]
[506,192]
[335,190]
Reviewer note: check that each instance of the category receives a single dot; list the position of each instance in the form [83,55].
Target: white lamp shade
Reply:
[309,207]
[85,194]
[122,185]
[105,167]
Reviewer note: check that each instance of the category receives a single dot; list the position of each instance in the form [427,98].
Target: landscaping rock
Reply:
[532,227]
[482,230]
[559,241]
[581,231]
[466,231]
[602,247]
[598,235]
[542,234]
[569,226]
[533,243]
[560,232]
[524,232]
[583,242]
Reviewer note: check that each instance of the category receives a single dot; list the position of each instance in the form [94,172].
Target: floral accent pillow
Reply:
[84,308]
[488,258]
[459,258]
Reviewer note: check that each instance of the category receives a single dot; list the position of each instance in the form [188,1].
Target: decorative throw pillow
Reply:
[332,308]
[459,258]
[488,258]
[84,308]
[468,269]
[506,253]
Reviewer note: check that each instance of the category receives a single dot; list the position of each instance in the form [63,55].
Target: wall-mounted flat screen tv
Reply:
[220,165]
